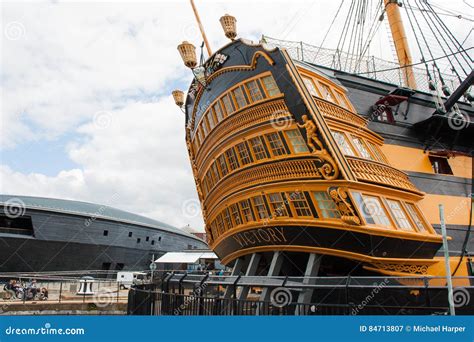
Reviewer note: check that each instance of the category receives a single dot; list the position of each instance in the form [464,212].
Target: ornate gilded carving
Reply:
[403,268]
[344,206]
[329,169]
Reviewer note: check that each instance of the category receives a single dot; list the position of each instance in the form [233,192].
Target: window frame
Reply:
[386,211]
[249,91]
[228,96]
[264,86]
[328,89]
[256,207]
[233,91]
[299,136]
[262,145]
[235,212]
[221,115]
[247,150]
[388,200]
[211,119]
[221,159]
[426,227]
[334,133]
[269,142]
[272,207]
[249,208]
[320,210]
[363,146]
[227,218]
[312,86]
[294,209]
[377,152]
[234,158]
[341,97]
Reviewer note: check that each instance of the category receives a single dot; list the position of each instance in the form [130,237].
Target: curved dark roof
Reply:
[89,210]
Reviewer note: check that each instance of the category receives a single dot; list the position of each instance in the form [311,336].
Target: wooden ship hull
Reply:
[298,175]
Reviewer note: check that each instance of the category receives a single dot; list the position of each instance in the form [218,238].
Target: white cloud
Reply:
[136,161]
[72,65]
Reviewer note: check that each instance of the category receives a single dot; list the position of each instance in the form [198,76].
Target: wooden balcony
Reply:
[295,169]
[263,111]
[375,172]
[333,111]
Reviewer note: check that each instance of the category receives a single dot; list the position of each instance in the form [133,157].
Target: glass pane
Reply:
[258,148]
[326,205]
[210,116]
[341,99]
[300,204]
[239,97]
[246,210]
[270,86]
[372,210]
[277,205]
[228,104]
[260,207]
[416,218]
[326,92]
[342,142]
[400,218]
[310,85]
[378,154]
[227,219]
[244,153]
[254,91]
[218,110]
[234,209]
[223,165]
[360,146]
[232,159]
[297,141]
[276,144]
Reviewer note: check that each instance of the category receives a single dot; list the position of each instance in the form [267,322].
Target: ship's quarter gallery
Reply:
[288,157]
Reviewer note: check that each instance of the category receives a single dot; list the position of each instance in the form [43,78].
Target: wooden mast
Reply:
[201,28]
[400,41]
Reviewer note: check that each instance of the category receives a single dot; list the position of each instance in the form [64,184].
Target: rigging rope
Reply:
[423,60]
[414,64]
[329,29]
[450,34]
[442,48]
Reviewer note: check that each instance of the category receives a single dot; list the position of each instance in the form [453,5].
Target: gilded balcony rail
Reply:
[334,111]
[375,172]
[270,110]
[261,174]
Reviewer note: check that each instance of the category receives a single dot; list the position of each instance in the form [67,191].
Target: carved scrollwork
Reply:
[329,169]
[344,206]
[403,268]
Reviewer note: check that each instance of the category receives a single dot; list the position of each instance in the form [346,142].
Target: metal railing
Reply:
[191,294]
[367,66]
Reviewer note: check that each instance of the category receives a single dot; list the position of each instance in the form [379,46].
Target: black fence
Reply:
[188,294]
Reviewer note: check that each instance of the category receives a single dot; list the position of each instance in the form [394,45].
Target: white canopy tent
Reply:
[184,257]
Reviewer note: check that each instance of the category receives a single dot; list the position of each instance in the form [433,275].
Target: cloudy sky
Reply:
[86,111]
